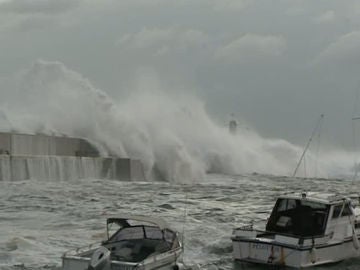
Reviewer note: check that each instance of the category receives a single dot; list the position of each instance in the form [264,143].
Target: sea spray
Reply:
[172,134]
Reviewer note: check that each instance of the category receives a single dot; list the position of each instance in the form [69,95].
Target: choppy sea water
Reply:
[40,220]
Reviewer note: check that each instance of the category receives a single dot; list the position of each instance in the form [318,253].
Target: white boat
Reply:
[303,230]
[138,242]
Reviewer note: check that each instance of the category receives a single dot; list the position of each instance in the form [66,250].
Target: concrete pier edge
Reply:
[25,156]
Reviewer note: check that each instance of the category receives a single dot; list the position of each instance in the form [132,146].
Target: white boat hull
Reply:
[303,230]
[265,251]
[164,261]
[138,242]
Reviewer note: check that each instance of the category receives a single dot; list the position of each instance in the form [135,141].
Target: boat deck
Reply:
[136,250]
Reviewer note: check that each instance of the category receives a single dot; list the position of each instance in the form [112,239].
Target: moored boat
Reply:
[303,230]
[137,242]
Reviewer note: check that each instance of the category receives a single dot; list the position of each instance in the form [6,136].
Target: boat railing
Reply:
[157,257]
[246,226]
[314,238]
[80,250]
[249,231]
[76,253]
[302,238]
[149,260]
[249,227]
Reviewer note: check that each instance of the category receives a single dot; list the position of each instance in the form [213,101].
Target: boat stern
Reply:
[72,263]
[263,248]
[262,251]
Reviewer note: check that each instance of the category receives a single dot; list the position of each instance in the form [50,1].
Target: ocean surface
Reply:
[40,220]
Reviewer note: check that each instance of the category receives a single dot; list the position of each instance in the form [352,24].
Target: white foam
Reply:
[171,134]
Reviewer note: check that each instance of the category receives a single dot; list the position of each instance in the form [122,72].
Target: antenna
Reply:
[316,129]
[355,118]
[355,146]
[184,220]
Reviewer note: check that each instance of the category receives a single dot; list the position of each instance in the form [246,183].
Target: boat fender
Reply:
[100,260]
[179,266]
[354,236]
[355,241]
[313,255]
[271,256]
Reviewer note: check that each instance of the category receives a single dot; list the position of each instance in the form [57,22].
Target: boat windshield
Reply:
[298,217]
[136,232]
[143,232]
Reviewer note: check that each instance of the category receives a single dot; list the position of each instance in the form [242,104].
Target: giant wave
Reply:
[172,134]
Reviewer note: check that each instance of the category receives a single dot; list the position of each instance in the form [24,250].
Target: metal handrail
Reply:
[250,228]
[81,249]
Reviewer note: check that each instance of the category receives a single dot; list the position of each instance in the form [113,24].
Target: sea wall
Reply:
[62,168]
[52,158]
[25,144]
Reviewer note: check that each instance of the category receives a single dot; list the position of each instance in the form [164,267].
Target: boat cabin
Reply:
[133,240]
[308,214]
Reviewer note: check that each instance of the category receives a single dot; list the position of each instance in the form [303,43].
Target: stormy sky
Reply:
[276,64]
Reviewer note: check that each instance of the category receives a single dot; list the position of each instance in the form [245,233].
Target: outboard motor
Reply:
[100,260]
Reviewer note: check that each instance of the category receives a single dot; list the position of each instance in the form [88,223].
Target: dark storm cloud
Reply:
[276,64]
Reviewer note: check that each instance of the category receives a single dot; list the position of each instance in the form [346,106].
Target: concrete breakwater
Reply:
[53,158]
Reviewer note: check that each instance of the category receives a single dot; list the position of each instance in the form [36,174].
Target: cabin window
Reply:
[153,233]
[136,232]
[169,236]
[314,205]
[284,205]
[346,212]
[298,217]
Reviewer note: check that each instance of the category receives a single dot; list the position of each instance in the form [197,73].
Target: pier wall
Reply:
[43,157]
[34,145]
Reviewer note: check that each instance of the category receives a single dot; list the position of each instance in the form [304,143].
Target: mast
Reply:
[316,129]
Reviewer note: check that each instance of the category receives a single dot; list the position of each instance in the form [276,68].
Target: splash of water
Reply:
[171,134]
